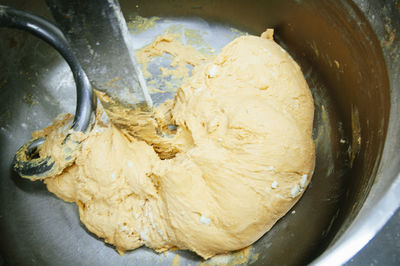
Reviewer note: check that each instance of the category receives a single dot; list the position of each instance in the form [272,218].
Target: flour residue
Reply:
[243,256]
[173,61]
[355,134]
[176,261]
[140,24]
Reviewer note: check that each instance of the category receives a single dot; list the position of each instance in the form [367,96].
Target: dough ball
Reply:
[241,157]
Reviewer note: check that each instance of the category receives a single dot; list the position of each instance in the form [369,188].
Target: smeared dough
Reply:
[240,158]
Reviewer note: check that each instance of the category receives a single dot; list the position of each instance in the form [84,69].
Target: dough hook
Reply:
[97,47]
[26,161]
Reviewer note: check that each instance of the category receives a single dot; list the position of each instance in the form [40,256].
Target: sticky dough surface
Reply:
[240,158]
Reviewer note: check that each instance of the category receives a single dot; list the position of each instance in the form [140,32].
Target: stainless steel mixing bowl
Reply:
[349,53]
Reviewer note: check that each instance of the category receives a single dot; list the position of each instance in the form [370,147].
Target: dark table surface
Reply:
[384,249]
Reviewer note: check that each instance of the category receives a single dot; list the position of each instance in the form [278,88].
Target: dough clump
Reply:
[238,156]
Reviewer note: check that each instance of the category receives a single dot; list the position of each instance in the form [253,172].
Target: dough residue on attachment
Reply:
[234,153]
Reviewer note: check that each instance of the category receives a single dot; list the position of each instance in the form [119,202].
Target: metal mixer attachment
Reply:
[27,163]
[98,35]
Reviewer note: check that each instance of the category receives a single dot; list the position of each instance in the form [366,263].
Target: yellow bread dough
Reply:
[240,158]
